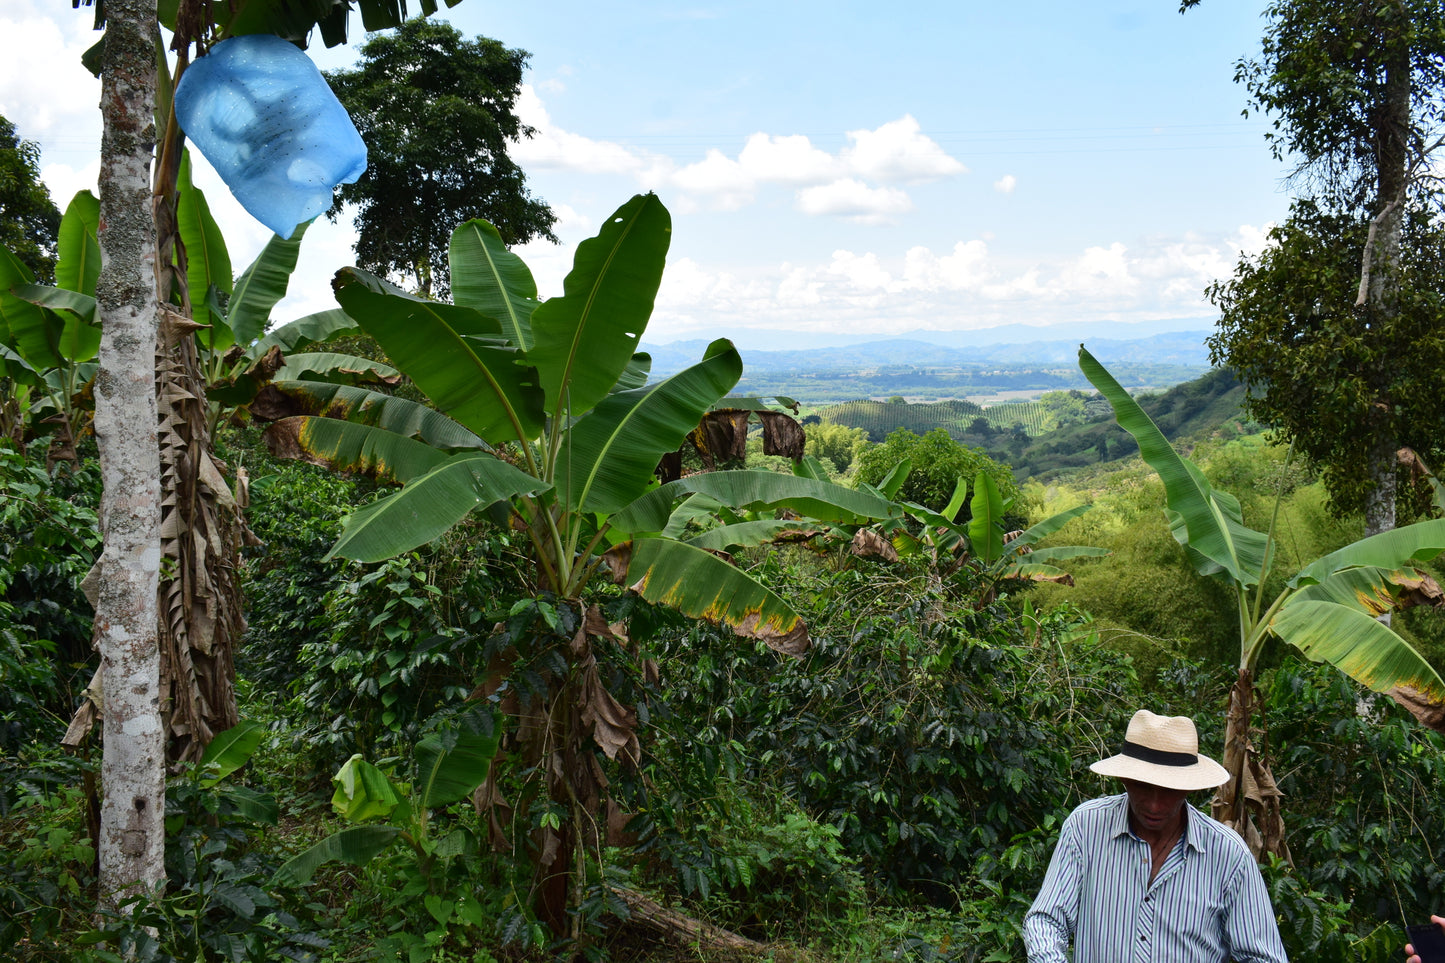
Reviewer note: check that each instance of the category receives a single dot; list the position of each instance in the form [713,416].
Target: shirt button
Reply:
[1143,938]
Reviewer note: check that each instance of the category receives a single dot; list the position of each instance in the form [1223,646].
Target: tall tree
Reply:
[29,219]
[1336,376]
[1354,90]
[424,178]
[132,835]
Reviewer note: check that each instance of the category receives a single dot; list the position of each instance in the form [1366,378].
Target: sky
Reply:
[834,170]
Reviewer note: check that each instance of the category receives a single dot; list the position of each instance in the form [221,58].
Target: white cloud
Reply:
[799,288]
[966,286]
[964,269]
[44,90]
[898,151]
[1250,240]
[64,181]
[1099,271]
[552,147]
[862,272]
[787,160]
[730,186]
[1006,184]
[852,198]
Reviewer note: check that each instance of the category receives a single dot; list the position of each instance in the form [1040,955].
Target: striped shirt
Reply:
[1207,905]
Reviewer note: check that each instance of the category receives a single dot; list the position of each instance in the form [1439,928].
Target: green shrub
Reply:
[938,463]
[927,738]
[49,538]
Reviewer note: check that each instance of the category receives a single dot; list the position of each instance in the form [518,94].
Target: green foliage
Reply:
[1207,407]
[1366,818]
[385,655]
[439,874]
[420,182]
[1329,610]
[774,871]
[1337,76]
[938,462]
[1347,376]
[836,443]
[46,876]
[215,905]
[48,540]
[367,654]
[926,741]
[29,219]
[296,515]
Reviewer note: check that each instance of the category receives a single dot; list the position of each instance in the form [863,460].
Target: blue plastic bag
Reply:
[262,114]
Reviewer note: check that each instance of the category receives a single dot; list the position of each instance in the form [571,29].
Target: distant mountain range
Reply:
[969,349]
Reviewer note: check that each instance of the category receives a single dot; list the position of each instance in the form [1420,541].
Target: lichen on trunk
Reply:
[132,838]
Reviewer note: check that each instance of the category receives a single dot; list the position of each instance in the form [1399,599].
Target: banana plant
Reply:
[553,417]
[981,544]
[49,338]
[544,414]
[1330,611]
[449,767]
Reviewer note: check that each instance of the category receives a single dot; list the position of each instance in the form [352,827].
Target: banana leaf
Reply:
[725,538]
[755,491]
[230,750]
[429,505]
[355,846]
[208,263]
[492,280]
[585,339]
[336,369]
[1208,523]
[77,263]
[312,329]
[1362,647]
[1419,542]
[701,585]
[482,386]
[390,413]
[262,285]
[452,764]
[608,455]
[351,447]
[985,527]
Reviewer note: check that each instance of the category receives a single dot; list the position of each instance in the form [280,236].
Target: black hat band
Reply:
[1158,756]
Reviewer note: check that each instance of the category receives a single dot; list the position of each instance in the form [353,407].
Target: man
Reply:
[1143,877]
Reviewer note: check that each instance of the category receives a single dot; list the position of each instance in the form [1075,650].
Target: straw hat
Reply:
[1163,751]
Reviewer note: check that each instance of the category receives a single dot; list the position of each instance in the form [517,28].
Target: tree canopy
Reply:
[1324,371]
[1354,92]
[29,219]
[938,463]
[437,113]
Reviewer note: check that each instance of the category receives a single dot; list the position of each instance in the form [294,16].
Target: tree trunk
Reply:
[1380,498]
[132,836]
[1380,273]
[1250,802]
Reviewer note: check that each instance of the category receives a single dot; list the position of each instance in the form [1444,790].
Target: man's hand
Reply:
[1410,950]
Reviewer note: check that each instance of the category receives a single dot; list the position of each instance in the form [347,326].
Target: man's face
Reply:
[1153,807]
